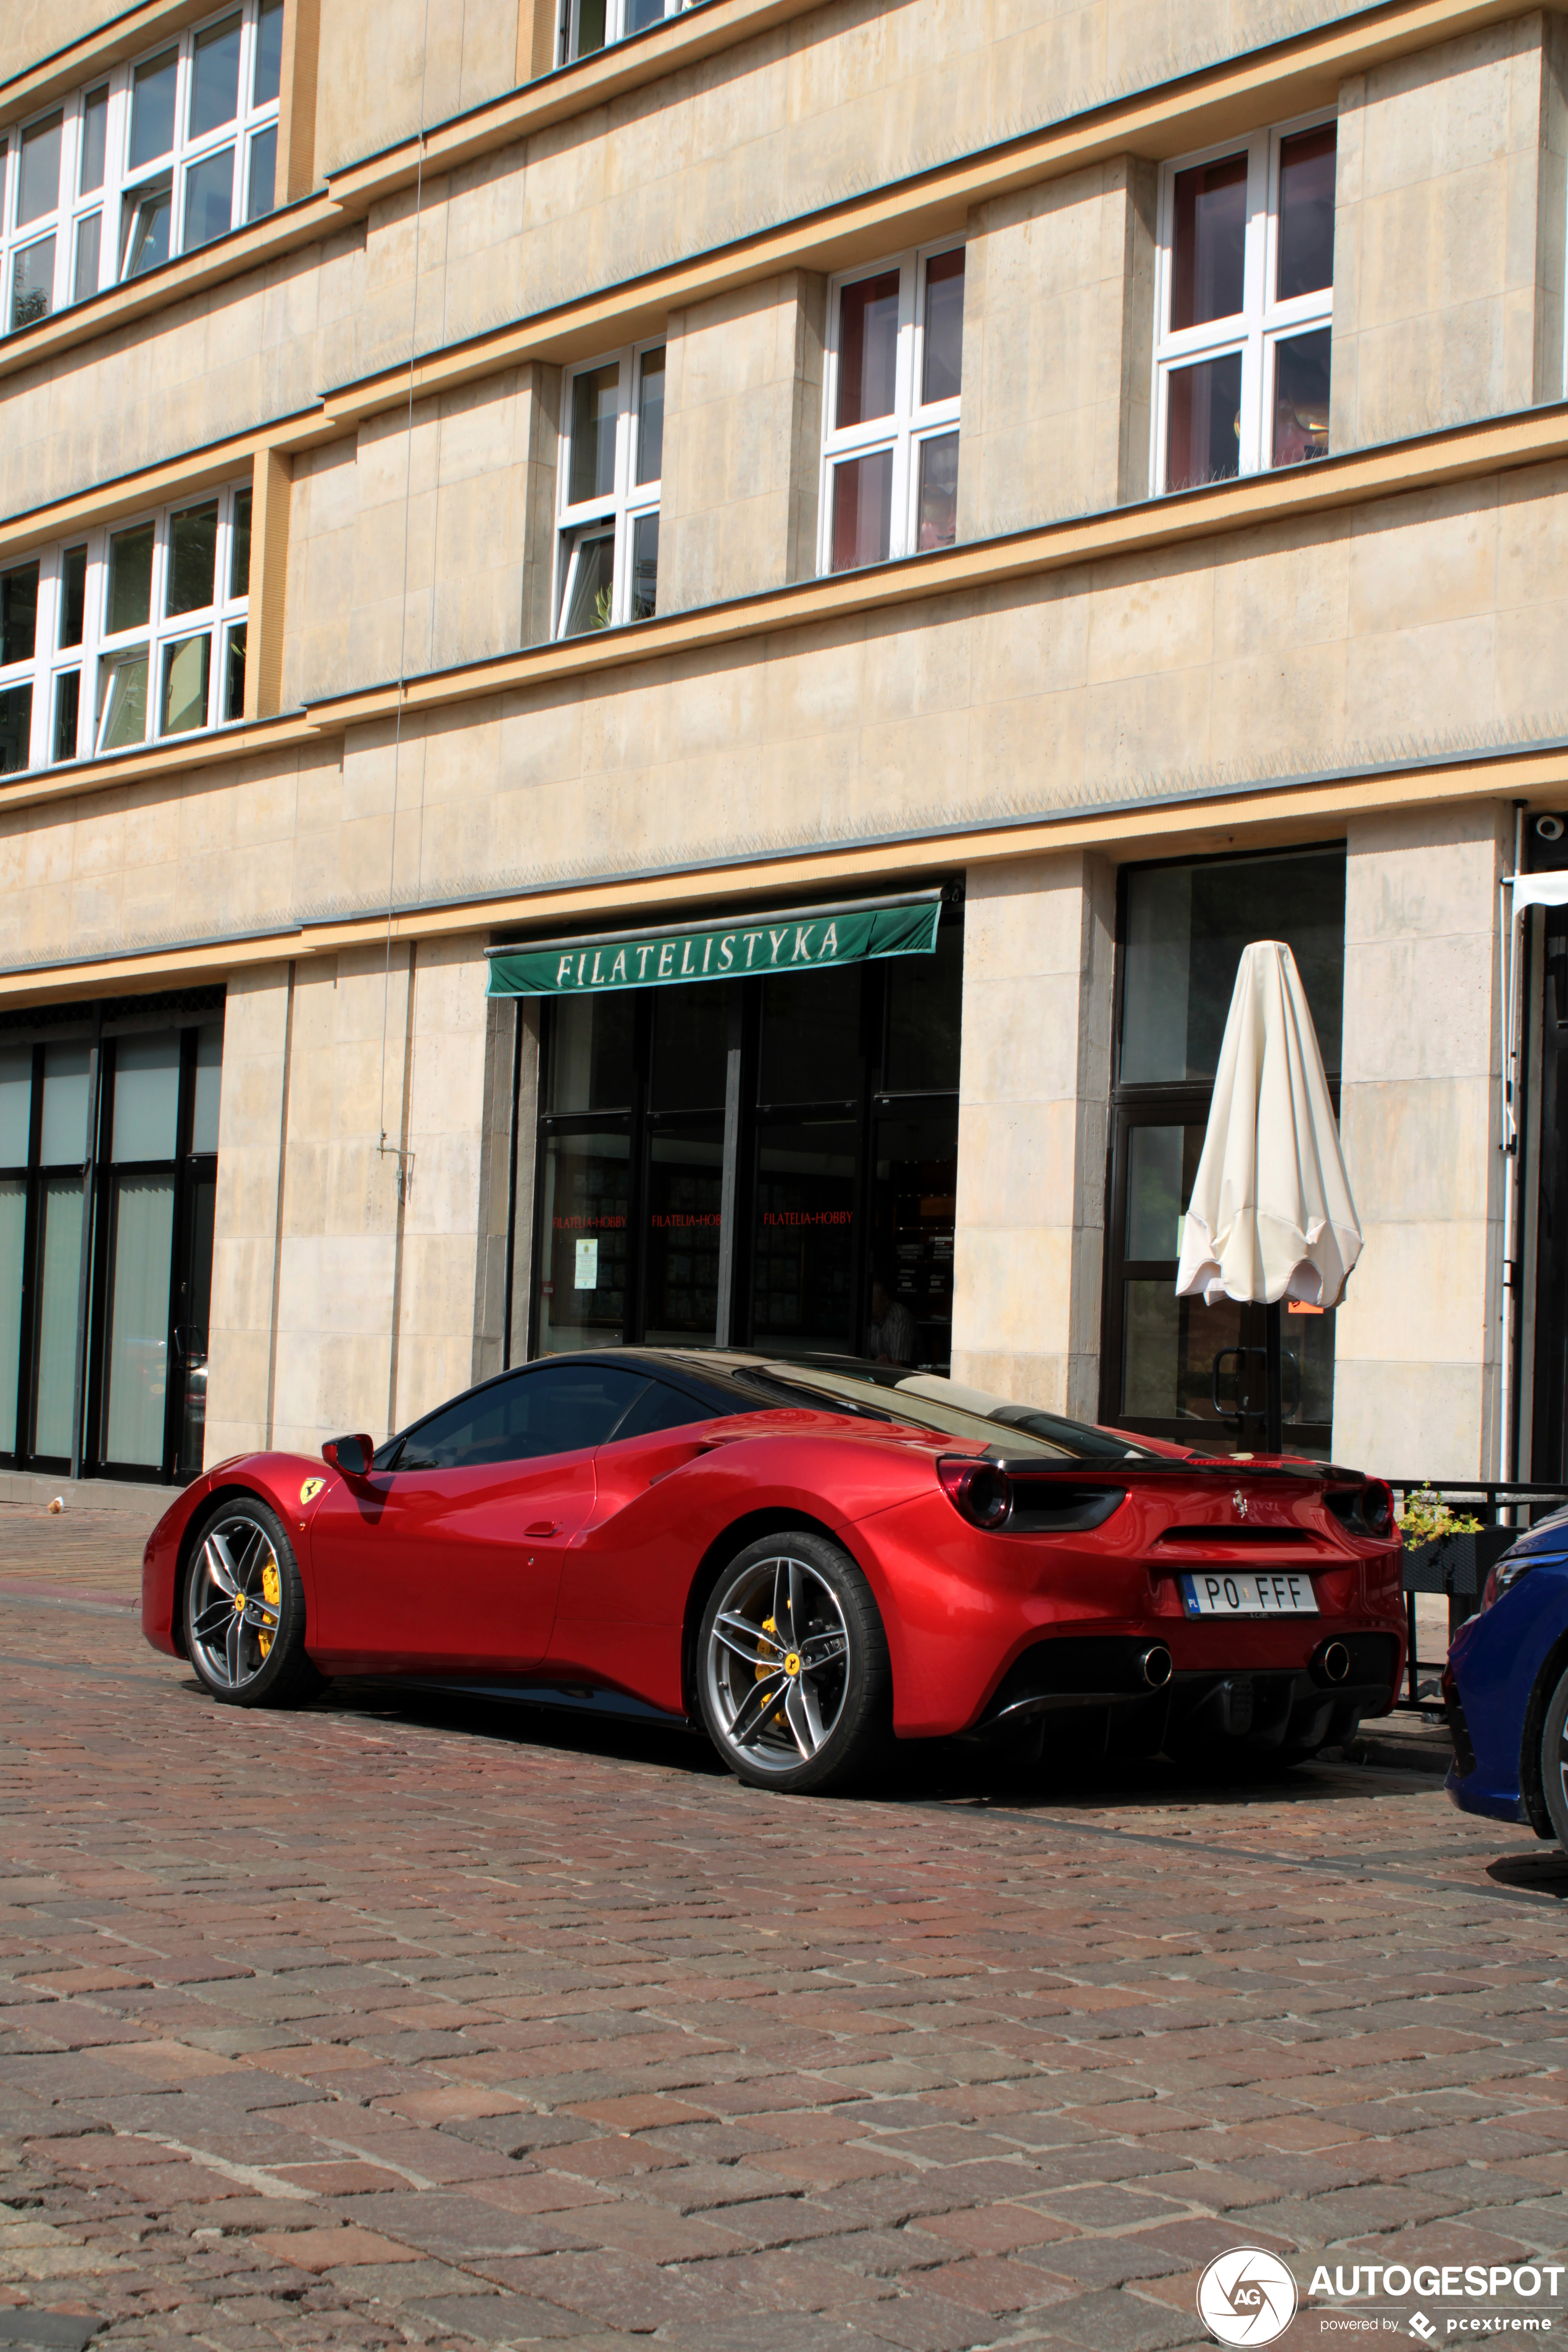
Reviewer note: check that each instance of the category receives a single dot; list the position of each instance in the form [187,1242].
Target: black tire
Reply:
[251,1655]
[826,1665]
[1554,1759]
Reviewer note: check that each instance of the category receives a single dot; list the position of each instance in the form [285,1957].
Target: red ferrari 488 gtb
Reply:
[803,1555]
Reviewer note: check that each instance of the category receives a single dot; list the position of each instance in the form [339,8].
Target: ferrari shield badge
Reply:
[311,1489]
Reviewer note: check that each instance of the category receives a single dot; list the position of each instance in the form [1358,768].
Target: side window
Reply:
[662,1408]
[559,1408]
[612,459]
[1246,308]
[890,395]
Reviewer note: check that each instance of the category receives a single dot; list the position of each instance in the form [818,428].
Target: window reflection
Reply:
[1209,243]
[1186,926]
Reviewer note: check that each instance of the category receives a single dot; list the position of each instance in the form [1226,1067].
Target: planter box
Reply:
[1457,1565]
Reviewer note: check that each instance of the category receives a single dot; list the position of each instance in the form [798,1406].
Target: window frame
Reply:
[115,201]
[616,29]
[1261,324]
[913,422]
[615,513]
[100,651]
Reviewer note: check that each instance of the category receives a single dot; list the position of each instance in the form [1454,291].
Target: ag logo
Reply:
[1246,2296]
[1421,2328]
[311,1489]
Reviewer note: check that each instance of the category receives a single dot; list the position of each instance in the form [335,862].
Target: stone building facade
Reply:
[574,481]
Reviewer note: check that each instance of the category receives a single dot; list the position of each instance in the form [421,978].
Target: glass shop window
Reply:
[130,1379]
[816,1109]
[1174,1367]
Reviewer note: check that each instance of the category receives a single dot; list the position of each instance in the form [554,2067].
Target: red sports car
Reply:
[801,1554]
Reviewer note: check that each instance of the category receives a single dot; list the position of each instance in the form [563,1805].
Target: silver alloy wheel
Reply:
[778,1664]
[236,1601]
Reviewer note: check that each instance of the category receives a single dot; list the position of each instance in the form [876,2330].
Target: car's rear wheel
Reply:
[1554,1759]
[793,1674]
[245,1608]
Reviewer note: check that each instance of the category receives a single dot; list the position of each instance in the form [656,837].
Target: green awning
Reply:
[805,939]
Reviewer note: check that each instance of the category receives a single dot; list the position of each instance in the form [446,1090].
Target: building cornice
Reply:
[1199,825]
[1285,79]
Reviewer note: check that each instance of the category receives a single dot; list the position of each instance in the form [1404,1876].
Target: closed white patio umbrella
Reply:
[1272,1216]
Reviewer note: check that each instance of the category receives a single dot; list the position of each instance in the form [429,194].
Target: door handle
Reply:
[1219,1412]
[543,1527]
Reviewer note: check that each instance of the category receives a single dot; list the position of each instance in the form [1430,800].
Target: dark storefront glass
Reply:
[583,1280]
[684,1192]
[803,1287]
[1184,929]
[113,1149]
[914,1213]
[824,1104]
[1174,1367]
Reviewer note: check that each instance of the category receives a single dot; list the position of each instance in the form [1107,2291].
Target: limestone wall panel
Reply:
[1442,238]
[249,1167]
[1416,1340]
[1036,995]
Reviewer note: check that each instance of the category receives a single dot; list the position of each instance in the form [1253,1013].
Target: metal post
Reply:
[724,1320]
[1274,1412]
[1507,946]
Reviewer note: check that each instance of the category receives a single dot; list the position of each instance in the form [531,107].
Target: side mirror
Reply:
[351,1455]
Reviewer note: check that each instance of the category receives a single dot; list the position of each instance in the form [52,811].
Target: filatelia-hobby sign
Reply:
[804,940]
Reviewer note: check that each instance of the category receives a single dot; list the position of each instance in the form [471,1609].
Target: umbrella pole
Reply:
[1274,1416]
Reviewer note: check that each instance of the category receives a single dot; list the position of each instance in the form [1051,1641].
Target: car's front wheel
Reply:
[245,1608]
[1554,1759]
[793,1674]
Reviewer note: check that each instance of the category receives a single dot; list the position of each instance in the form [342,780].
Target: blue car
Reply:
[1506,1688]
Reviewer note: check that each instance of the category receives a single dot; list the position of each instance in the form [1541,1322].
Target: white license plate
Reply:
[1218,1592]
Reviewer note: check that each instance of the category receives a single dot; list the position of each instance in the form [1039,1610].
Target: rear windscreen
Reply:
[921,1402]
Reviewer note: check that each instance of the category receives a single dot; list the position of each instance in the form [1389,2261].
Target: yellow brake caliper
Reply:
[791,1663]
[272,1594]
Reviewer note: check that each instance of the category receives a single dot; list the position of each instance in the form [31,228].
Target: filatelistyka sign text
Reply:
[799,941]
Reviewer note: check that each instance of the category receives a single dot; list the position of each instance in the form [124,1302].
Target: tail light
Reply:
[978,1491]
[1377,1506]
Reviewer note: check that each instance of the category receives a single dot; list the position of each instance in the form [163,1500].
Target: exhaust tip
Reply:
[1336,1662]
[1154,1666]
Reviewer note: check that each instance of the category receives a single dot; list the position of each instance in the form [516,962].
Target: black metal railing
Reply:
[1464,1562]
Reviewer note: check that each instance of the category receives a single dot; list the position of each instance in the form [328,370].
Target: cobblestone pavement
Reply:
[405,2019]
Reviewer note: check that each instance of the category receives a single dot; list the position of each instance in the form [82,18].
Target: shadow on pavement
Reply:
[1546,1873]
[922,1772]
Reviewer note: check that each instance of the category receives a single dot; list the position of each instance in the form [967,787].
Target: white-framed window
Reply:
[157,158]
[890,397]
[1245,295]
[612,455]
[590,25]
[126,635]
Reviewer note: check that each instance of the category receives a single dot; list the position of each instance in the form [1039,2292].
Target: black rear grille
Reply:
[1049,1507]
[1226,1534]
[1459,1732]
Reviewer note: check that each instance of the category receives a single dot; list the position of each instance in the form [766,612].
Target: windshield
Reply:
[928,1402]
